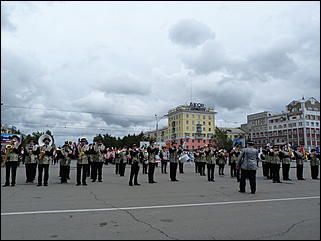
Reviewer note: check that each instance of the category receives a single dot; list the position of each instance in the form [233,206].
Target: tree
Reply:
[221,140]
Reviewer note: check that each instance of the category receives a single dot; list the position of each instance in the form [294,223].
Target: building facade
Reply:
[298,125]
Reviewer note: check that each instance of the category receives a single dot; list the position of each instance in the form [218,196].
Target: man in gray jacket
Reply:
[247,161]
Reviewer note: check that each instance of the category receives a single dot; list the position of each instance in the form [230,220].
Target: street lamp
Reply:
[157,121]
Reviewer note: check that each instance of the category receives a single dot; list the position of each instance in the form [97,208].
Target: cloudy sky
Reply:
[109,67]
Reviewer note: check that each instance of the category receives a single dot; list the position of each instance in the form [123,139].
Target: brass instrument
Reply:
[6,156]
[305,154]
[291,151]
[81,154]
[42,144]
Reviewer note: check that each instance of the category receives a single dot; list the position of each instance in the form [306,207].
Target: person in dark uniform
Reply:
[164,159]
[123,161]
[173,162]
[64,156]
[152,152]
[180,162]
[82,163]
[232,162]
[202,161]
[275,164]
[47,156]
[286,160]
[299,164]
[221,162]
[31,158]
[12,160]
[314,163]
[247,161]
[197,159]
[210,155]
[267,171]
[134,170]
[98,151]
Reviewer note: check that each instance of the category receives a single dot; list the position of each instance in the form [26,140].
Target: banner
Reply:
[5,138]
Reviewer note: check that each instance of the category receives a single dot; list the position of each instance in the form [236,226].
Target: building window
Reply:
[204,123]
[307,123]
[204,117]
[186,115]
[209,129]
[193,122]
[317,124]
[300,124]
[192,140]
[187,128]
[198,141]
[209,123]
[294,125]
[199,117]
[312,123]
[203,128]
[193,128]
[187,122]
[204,141]
[192,115]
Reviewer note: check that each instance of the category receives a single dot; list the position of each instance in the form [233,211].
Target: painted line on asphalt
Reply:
[155,207]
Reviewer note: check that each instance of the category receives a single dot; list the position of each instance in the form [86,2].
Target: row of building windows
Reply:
[199,116]
[294,125]
[284,132]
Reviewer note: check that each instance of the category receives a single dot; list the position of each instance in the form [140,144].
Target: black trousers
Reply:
[210,172]
[264,169]
[117,168]
[41,168]
[275,172]
[122,167]
[201,169]
[286,171]
[238,176]
[181,167]
[144,168]
[299,171]
[196,167]
[233,169]
[314,172]
[268,170]
[134,169]
[172,170]
[63,173]
[248,174]
[84,168]
[68,172]
[221,169]
[28,167]
[97,169]
[13,167]
[163,166]
[151,169]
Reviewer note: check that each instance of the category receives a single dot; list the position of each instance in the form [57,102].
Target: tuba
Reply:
[41,143]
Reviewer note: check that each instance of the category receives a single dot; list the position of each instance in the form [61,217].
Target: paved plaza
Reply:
[192,208]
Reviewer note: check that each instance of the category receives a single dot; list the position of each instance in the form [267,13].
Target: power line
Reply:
[74,111]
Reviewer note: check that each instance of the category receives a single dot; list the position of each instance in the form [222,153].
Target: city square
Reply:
[290,210]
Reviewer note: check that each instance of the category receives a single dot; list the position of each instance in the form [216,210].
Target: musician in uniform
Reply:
[173,162]
[299,164]
[152,152]
[164,159]
[221,162]
[64,156]
[286,160]
[202,161]
[123,161]
[117,161]
[98,151]
[82,162]
[31,158]
[46,157]
[247,161]
[232,161]
[314,163]
[180,161]
[197,159]
[210,155]
[275,164]
[134,170]
[11,160]
[143,156]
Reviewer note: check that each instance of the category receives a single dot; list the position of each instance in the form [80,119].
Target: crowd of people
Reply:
[91,158]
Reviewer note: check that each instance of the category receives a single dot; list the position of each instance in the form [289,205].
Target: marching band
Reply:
[91,158]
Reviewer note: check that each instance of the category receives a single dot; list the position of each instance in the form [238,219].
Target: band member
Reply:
[123,161]
[202,162]
[173,162]
[180,161]
[247,161]
[275,164]
[197,159]
[210,155]
[299,164]
[31,158]
[117,161]
[82,162]
[45,158]
[134,170]
[232,161]
[98,151]
[144,160]
[164,159]
[221,162]
[64,157]
[267,162]
[152,152]
[314,163]
[11,160]
[286,160]
[90,165]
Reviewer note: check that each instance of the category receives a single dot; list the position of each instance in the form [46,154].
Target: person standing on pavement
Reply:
[152,152]
[314,163]
[134,170]
[247,162]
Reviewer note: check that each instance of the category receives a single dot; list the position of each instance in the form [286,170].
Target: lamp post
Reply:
[157,121]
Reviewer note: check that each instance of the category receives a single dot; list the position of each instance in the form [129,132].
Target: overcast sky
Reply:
[137,59]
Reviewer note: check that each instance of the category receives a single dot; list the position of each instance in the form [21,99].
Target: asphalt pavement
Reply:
[191,208]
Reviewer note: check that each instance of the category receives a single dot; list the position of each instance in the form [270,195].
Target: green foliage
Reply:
[221,140]
[128,141]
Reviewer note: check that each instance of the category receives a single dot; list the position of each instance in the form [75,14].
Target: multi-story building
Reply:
[160,136]
[237,135]
[299,125]
[192,125]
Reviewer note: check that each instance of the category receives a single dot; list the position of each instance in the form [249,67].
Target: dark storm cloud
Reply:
[190,32]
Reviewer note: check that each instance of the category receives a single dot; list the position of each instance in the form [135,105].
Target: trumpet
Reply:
[81,154]
[291,152]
